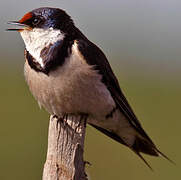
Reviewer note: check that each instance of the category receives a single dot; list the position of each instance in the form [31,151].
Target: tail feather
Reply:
[166,157]
[144,146]
[147,147]
[142,158]
[140,145]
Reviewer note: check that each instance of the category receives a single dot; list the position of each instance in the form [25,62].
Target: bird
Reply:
[69,74]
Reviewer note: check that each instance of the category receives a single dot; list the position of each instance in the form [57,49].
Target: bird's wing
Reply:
[94,56]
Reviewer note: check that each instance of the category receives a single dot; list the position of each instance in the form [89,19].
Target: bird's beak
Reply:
[17,23]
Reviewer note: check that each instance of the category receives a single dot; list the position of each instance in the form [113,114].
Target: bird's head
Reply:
[44,18]
[44,27]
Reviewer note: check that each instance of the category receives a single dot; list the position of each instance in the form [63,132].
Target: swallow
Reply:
[68,74]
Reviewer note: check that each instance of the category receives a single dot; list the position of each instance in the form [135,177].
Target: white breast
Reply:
[72,88]
[37,39]
[75,87]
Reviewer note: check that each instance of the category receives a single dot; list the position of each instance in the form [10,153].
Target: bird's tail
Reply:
[142,145]
[139,145]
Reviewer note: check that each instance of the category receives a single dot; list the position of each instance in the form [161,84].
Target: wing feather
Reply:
[94,56]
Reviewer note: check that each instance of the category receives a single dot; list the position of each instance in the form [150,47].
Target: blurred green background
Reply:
[142,40]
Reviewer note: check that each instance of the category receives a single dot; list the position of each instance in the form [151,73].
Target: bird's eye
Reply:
[36,21]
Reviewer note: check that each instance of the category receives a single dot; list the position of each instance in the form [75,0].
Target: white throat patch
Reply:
[37,39]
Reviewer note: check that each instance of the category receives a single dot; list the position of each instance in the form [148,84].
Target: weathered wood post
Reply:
[65,148]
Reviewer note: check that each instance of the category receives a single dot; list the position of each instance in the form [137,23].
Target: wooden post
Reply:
[65,148]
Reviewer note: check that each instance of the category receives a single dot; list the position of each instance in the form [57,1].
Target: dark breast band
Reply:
[53,56]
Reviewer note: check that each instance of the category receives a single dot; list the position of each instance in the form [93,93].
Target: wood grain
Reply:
[65,148]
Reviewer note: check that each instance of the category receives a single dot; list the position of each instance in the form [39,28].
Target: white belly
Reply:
[72,88]
[76,88]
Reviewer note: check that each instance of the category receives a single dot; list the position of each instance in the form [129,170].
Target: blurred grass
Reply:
[23,131]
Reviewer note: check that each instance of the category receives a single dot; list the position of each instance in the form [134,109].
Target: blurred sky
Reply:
[139,35]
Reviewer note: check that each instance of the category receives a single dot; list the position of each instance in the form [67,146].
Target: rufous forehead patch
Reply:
[26,17]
